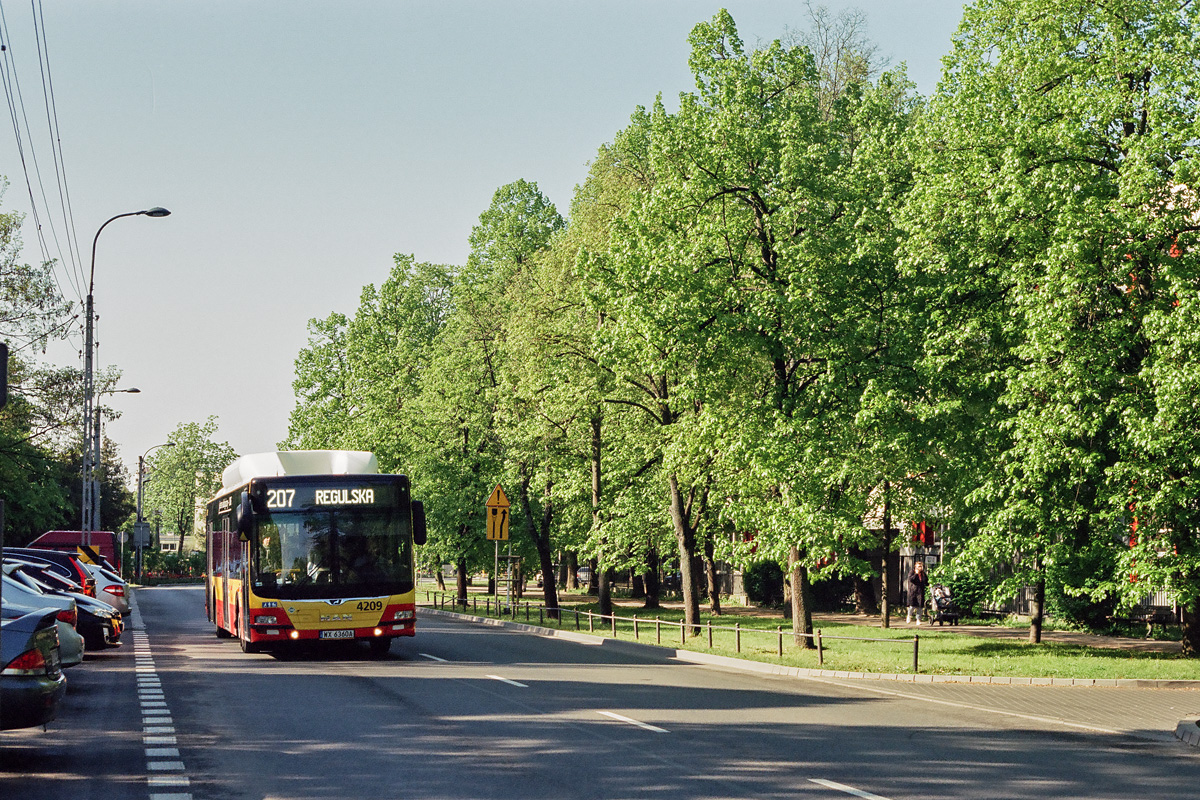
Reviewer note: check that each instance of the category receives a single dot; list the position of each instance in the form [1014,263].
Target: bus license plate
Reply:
[337,634]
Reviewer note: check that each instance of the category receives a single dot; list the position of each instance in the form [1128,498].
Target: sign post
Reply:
[496,510]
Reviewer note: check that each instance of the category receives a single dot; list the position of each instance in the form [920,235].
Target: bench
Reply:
[1150,617]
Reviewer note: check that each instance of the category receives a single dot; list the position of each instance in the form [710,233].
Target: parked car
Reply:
[110,587]
[65,572]
[68,560]
[52,581]
[98,623]
[19,599]
[32,684]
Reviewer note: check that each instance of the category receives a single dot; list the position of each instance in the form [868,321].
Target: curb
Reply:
[1187,731]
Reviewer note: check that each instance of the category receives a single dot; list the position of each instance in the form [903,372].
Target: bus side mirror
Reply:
[245,518]
[418,522]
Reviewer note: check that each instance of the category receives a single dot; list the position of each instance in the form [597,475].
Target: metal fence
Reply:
[612,624]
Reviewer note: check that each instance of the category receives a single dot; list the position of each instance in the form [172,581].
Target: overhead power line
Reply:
[41,215]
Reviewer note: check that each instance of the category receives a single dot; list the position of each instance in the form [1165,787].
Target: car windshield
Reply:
[333,553]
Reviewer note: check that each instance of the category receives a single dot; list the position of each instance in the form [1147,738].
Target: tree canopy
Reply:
[809,308]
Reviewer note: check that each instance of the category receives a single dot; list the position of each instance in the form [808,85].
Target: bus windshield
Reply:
[344,552]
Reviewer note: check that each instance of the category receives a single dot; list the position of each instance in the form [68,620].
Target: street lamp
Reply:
[91,449]
[91,426]
[138,530]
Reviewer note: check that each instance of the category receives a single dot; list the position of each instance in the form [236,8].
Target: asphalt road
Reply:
[471,711]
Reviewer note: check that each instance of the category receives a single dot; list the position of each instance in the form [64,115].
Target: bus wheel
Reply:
[248,646]
[222,633]
[380,646]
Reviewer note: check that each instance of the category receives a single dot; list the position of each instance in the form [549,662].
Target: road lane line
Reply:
[432,658]
[642,725]
[506,680]
[972,707]
[157,726]
[841,787]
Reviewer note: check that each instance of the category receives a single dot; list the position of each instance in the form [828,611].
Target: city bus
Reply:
[312,545]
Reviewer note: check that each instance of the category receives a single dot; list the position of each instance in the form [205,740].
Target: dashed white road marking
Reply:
[506,680]
[158,728]
[432,658]
[841,787]
[642,725]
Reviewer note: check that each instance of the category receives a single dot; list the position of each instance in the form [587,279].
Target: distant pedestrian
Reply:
[915,586]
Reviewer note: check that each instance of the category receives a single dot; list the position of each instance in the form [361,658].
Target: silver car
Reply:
[19,597]
[31,680]
[110,588]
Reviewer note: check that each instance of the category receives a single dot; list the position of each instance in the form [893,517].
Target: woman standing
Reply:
[915,586]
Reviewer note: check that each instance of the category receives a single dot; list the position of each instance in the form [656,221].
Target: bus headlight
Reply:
[266,620]
[407,614]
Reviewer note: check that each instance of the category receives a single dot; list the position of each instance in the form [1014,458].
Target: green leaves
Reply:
[1056,140]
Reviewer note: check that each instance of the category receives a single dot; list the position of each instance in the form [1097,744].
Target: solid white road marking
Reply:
[841,787]
[432,658]
[641,725]
[506,680]
[956,704]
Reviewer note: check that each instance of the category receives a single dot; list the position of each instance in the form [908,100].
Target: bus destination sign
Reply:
[309,496]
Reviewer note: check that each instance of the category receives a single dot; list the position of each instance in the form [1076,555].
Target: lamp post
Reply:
[91,421]
[138,529]
[92,490]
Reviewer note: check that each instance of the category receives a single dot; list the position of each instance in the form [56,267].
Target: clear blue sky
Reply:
[299,145]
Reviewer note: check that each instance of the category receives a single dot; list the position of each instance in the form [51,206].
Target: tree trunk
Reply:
[440,578]
[604,592]
[540,534]
[685,538]
[710,573]
[637,587]
[653,585]
[885,589]
[787,591]
[864,590]
[461,578]
[802,624]
[1039,607]
[600,578]
[1191,629]
[572,579]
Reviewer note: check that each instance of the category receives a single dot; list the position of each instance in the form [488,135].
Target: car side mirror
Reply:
[419,532]
[245,518]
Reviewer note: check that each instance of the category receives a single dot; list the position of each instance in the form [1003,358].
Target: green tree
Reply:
[183,477]
[322,415]
[37,424]
[758,289]
[463,452]
[1062,138]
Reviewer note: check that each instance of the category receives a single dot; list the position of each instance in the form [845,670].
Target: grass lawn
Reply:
[940,651]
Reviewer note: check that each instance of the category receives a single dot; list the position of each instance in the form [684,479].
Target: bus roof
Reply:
[298,462]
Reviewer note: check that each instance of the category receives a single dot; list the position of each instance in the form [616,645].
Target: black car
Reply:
[32,684]
[98,623]
[67,561]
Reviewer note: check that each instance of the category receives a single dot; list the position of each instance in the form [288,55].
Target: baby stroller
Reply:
[944,609]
